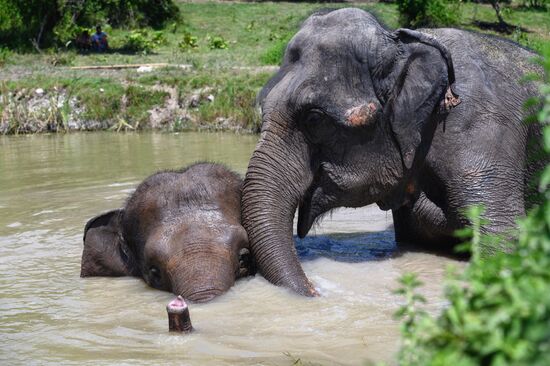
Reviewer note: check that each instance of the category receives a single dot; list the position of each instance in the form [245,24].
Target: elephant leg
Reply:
[429,225]
[503,200]
[424,224]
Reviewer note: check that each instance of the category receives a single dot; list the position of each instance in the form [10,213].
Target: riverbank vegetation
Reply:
[203,64]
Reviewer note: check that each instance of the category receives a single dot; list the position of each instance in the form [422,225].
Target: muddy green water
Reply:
[51,185]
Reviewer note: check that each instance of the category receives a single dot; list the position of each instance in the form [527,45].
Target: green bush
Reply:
[5,54]
[499,308]
[137,41]
[188,42]
[428,13]
[27,22]
[216,42]
[10,19]
[158,38]
[118,13]
[143,41]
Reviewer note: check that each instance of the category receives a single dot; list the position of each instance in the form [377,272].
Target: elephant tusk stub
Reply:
[178,316]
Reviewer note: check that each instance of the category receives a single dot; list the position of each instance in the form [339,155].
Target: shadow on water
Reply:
[364,247]
[350,248]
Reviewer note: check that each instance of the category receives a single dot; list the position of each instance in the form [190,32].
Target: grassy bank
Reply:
[223,48]
[167,99]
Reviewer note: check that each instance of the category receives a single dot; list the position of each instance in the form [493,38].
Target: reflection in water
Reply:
[50,185]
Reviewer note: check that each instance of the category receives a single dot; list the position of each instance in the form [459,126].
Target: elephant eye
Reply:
[154,273]
[123,251]
[317,126]
[156,278]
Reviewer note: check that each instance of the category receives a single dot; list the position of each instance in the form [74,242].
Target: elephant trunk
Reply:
[278,176]
[203,274]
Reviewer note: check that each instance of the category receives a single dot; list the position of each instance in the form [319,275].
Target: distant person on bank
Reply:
[99,40]
[83,41]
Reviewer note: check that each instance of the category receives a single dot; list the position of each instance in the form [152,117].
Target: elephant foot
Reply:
[312,291]
[178,316]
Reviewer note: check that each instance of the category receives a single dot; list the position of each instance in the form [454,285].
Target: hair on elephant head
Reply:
[180,231]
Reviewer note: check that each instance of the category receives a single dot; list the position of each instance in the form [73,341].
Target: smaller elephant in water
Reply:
[180,231]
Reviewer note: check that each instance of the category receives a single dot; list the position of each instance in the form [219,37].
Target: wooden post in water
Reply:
[178,316]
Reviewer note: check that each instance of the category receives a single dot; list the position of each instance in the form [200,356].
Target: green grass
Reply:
[273,55]
[236,99]
[108,100]
[234,94]
[256,34]
[246,44]
[139,100]
[536,23]
[102,97]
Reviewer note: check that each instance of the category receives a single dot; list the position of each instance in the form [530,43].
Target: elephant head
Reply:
[345,121]
[179,231]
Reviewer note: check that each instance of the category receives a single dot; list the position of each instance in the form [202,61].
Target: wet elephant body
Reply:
[180,231]
[423,123]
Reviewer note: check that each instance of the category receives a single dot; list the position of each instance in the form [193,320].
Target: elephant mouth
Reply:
[305,217]
[247,266]
[204,295]
[314,204]
[324,195]
[386,205]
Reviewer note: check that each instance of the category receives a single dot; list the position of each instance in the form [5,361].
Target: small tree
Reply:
[497,7]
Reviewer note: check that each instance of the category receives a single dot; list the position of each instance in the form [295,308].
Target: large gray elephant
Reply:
[424,123]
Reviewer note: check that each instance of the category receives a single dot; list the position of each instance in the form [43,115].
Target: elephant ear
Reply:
[423,87]
[268,86]
[105,251]
[290,56]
